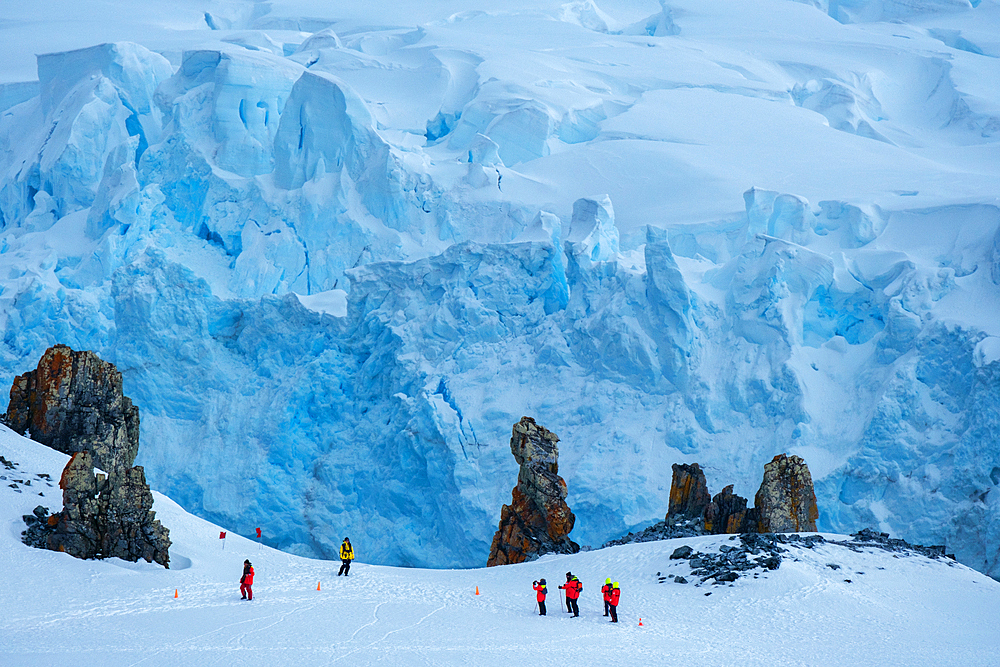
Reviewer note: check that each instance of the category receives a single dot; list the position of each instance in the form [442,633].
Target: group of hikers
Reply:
[246,581]
[574,587]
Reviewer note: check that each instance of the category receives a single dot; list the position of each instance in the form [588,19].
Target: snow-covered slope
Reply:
[338,251]
[57,610]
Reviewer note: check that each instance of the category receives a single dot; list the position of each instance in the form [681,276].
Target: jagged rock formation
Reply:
[689,497]
[786,502]
[538,520]
[73,402]
[727,513]
[76,528]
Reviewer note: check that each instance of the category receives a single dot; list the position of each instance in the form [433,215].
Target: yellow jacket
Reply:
[346,551]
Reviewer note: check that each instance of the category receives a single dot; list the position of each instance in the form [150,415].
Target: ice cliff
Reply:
[336,259]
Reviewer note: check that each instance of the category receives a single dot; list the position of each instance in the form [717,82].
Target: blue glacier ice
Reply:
[335,260]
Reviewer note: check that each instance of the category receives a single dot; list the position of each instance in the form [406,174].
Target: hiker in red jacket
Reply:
[246,581]
[606,593]
[540,591]
[615,595]
[573,588]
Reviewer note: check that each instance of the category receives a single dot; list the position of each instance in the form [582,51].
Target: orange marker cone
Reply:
[640,621]
[317,585]
[477,590]
[175,592]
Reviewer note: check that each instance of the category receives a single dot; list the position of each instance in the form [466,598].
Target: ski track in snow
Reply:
[386,635]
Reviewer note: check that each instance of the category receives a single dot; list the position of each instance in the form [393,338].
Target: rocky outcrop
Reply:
[727,513]
[759,552]
[538,520]
[786,502]
[130,530]
[101,517]
[73,402]
[689,497]
[76,530]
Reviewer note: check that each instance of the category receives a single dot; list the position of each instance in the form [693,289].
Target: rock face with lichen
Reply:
[727,513]
[538,520]
[786,502]
[73,402]
[689,497]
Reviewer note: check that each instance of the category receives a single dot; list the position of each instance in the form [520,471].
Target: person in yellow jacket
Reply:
[346,556]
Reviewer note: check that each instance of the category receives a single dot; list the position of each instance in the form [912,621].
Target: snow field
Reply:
[56,610]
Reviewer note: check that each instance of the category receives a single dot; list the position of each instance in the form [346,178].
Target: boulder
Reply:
[73,402]
[786,502]
[681,552]
[689,497]
[538,520]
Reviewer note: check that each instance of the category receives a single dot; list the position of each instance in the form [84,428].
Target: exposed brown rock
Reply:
[689,497]
[73,402]
[786,501]
[130,528]
[76,528]
[102,517]
[538,520]
[727,513]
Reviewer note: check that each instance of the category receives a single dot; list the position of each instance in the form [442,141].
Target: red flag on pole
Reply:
[258,532]
[222,535]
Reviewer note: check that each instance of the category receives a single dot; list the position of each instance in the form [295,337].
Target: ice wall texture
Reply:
[667,238]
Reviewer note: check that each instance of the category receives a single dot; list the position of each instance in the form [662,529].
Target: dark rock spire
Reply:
[538,520]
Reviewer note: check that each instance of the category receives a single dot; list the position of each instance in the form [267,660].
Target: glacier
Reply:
[337,254]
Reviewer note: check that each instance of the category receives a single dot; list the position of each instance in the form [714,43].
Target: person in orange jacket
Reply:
[615,596]
[606,593]
[246,581]
[540,591]
[573,589]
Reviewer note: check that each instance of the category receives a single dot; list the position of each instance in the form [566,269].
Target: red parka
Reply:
[572,589]
[606,590]
[615,594]
[540,590]
[247,576]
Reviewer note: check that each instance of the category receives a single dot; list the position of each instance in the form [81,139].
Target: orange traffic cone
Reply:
[317,585]
[640,621]
[477,590]
[175,592]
